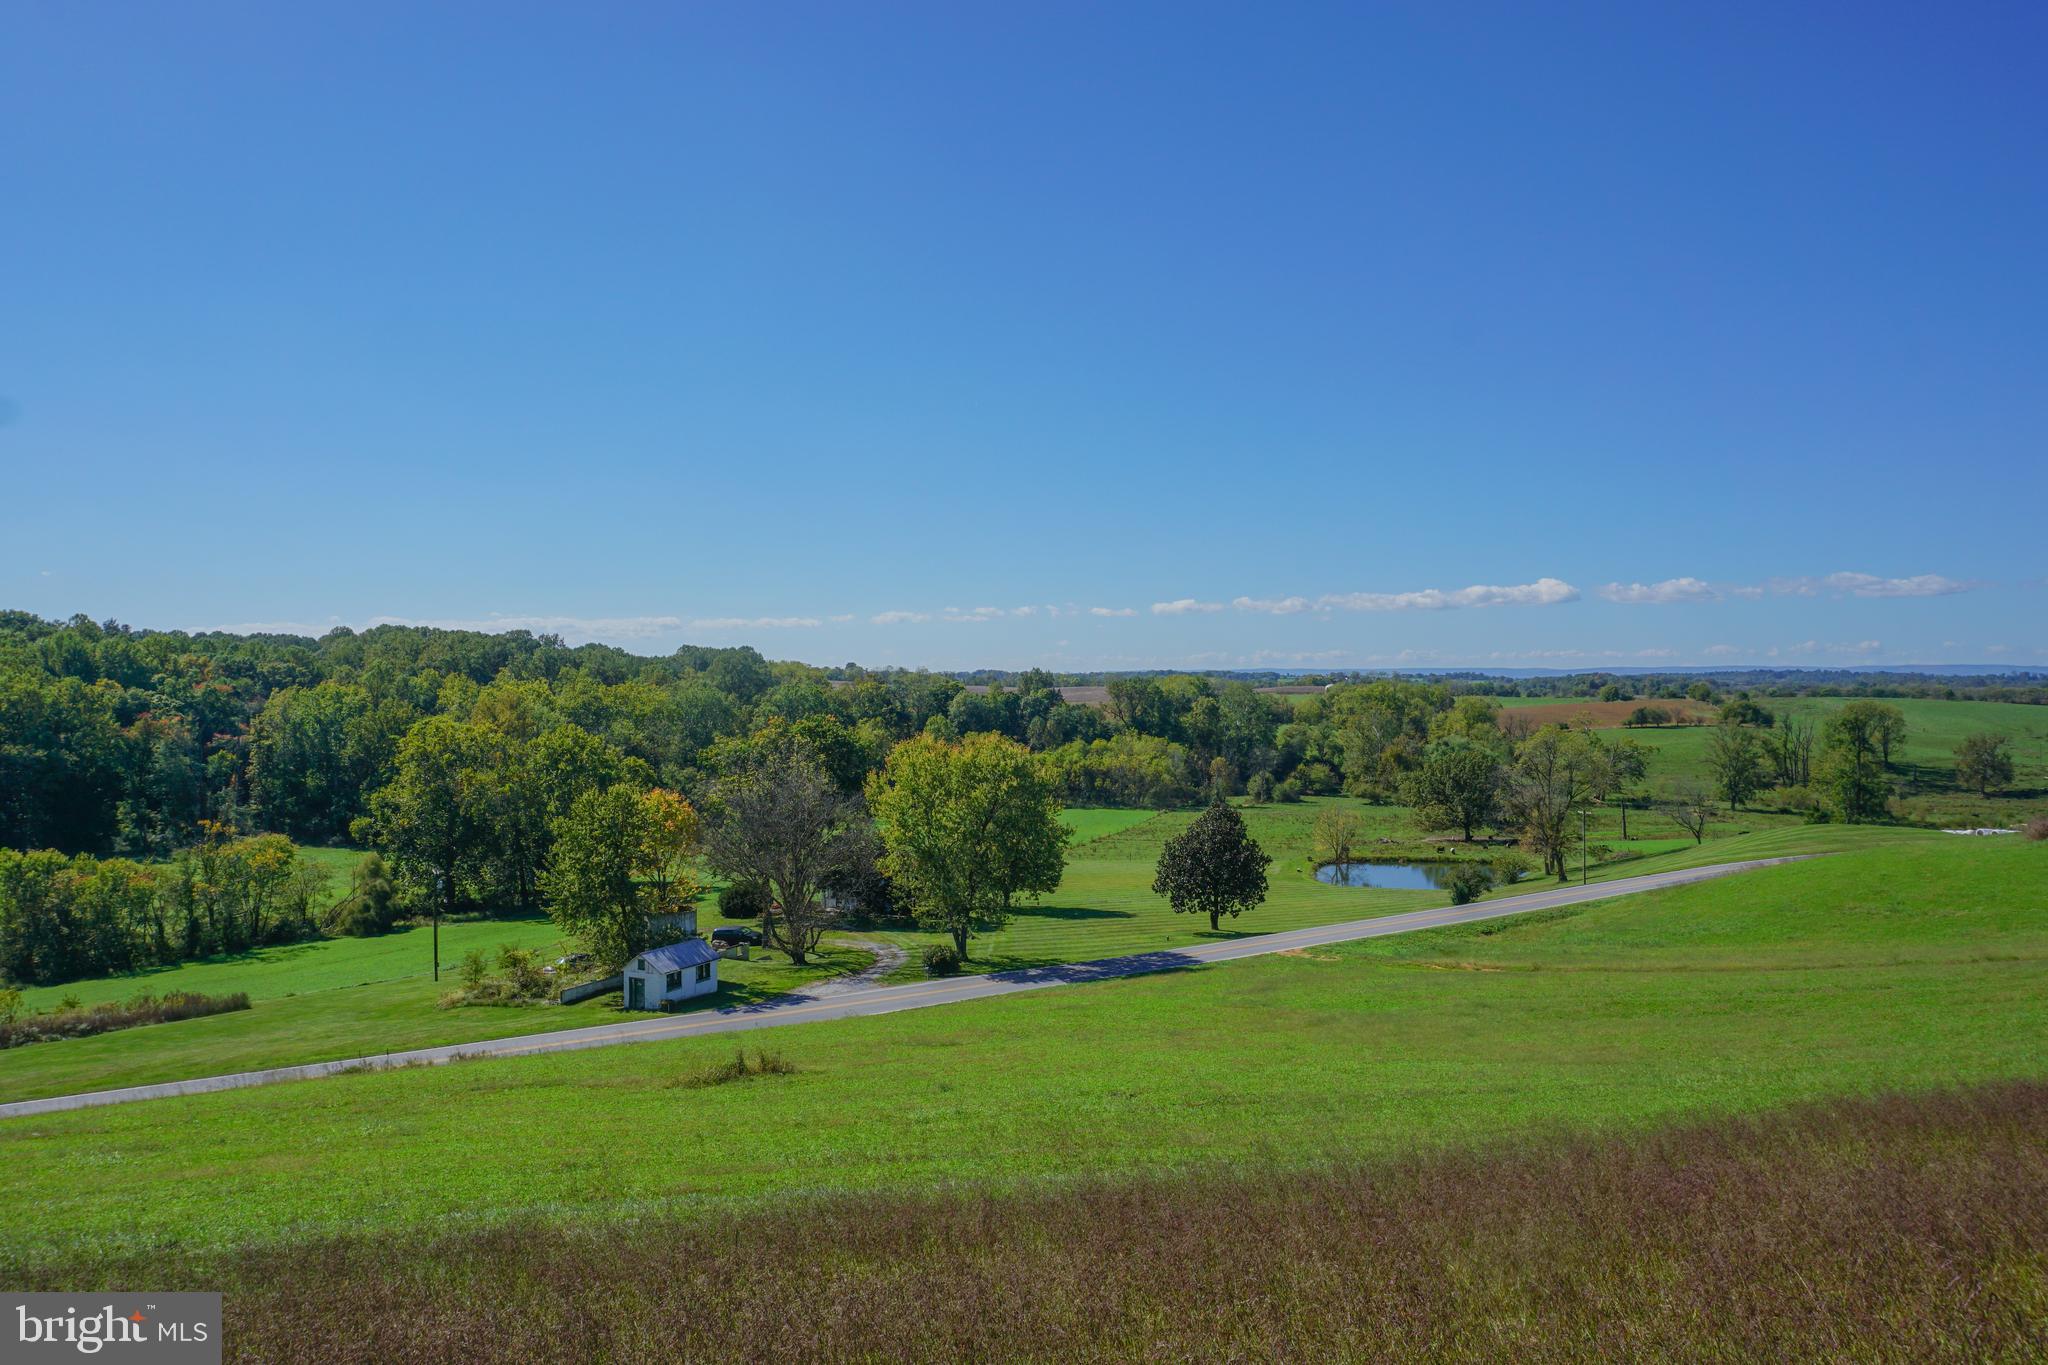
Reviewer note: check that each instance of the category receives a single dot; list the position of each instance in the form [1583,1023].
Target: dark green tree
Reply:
[1213,867]
[1457,786]
[1983,762]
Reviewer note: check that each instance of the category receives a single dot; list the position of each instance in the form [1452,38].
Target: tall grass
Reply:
[107,1016]
[1891,1228]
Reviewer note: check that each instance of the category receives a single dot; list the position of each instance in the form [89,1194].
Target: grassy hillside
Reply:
[1105,906]
[1925,765]
[1892,966]
[316,965]
[342,998]
[355,997]
[1835,1231]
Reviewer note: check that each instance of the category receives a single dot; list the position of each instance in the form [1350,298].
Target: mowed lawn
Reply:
[317,964]
[1901,966]
[1105,906]
[340,998]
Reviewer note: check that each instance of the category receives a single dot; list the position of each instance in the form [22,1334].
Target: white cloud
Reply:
[1721,651]
[1841,584]
[841,619]
[1869,585]
[1184,605]
[1669,590]
[754,622]
[1543,592]
[1998,649]
[1112,611]
[1279,606]
[897,618]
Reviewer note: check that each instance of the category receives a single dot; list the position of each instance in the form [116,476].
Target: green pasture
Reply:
[335,998]
[332,998]
[1897,964]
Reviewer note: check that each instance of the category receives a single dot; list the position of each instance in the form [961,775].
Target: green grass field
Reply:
[1908,964]
[1924,766]
[339,998]
[336,998]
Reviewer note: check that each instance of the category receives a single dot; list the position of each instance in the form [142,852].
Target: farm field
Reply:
[1925,762]
[335,998]
[1548,1249]
[1604,714]
[1896,966]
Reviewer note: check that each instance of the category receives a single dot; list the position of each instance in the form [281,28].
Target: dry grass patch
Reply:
[1889,1228]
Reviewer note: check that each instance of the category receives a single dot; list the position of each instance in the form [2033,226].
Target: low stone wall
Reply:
[571,994]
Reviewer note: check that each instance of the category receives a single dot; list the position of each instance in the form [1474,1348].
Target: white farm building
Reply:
[662,978]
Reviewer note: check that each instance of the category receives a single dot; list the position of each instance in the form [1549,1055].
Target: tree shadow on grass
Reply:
[1066,912]
[1107,969]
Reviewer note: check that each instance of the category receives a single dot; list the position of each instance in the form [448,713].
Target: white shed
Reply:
[662,978]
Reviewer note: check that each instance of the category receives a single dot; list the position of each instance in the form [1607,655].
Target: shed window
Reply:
[675,981]
[703,971]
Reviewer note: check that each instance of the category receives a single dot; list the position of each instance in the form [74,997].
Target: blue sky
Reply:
[1086,335]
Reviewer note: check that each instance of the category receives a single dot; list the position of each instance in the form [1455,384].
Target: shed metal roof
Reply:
[690,952]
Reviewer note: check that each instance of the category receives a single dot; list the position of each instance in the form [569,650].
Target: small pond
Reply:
[1388,876]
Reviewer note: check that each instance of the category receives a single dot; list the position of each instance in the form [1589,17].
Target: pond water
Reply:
[1387,876]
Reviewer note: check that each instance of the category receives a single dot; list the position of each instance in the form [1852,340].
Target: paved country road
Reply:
[852,1001]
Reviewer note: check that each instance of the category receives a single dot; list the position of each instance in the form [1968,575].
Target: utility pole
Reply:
[440,890]
[1584,816]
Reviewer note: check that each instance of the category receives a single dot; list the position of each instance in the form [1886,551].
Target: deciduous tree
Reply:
[967,827]
[1337,833]
[1556,773]
[1736,759]
[1984,762]
[1457,786]
[1213,867]
[783,824]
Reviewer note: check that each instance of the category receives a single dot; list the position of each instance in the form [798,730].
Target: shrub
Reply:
[743,900]
[1510,865]
[1288,792]
[1468,883]
[940,960]
[740,1068]
[372,906]
[521,979]
[2037,828]
[1260,788]
[523,975]
[1796,799]
[71,1020]
[1317,778]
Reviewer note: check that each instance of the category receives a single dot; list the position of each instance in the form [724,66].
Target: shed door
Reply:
[636,992]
